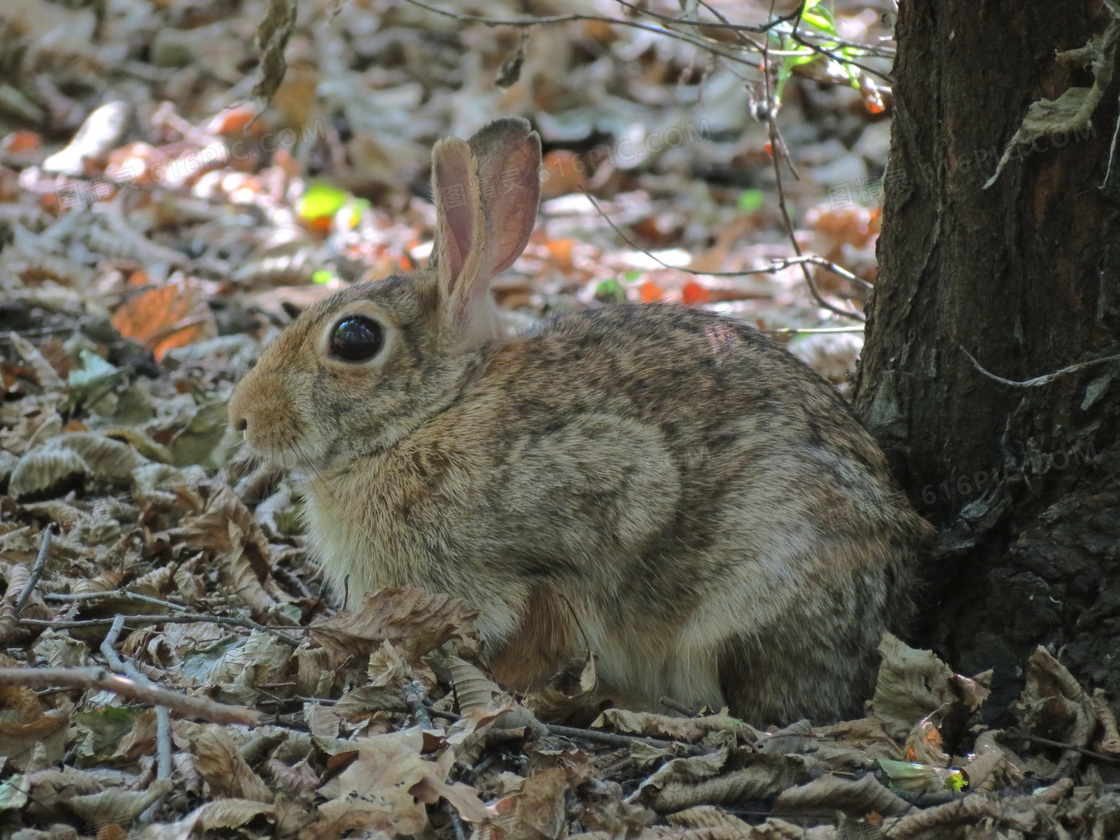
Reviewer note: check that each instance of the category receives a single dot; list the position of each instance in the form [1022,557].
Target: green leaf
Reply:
[321,200]
[93,373]
[751,200]
[819,16]
[610,291]
[632,275]
[103,728]
[13,793]
[322,277]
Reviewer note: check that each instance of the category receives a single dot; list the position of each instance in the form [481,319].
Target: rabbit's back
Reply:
[660,484]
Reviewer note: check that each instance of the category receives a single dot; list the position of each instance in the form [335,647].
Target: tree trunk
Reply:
[1025,277]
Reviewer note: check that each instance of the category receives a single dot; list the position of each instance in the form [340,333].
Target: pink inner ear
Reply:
[513,209]
[453,193]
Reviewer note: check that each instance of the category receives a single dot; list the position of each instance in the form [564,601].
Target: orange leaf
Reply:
[693,293]
[651,292]
[20,141]
[561,251]
[165,317]
[232,120]
[562,172]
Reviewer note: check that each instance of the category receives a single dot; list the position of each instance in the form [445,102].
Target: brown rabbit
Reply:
[663,485]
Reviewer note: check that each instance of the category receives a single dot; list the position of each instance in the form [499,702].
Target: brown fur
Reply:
[661,484]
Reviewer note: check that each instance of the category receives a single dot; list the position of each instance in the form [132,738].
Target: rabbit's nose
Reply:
[240,423]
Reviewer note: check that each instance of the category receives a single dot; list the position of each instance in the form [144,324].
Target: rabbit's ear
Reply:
[508,152]
[486,194]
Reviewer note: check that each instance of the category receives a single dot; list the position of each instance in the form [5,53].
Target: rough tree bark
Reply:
[1025,276]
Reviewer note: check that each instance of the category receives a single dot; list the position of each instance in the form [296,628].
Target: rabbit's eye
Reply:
[356,339]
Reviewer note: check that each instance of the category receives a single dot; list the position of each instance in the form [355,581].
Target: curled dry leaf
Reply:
[940,821]
[535,811]
[912,684]
[483,702]
[1109,742]
[798,737]
[232,813]
[1055,705]
[473,689]
[414,621]
[314,677]
[166,317]
[364,701]
[684,771]
[48,789]
[297,782]
[45,374]
[924,744]
[569,693]
[856,798]
[220,763]
[260,659]
[709,816]
[387,787]
[244,558]
[48,469]
[986,770]
[690,730]
[604,810]
[26,725]
[59,650]
[115,805]
[974,691]
[766,777]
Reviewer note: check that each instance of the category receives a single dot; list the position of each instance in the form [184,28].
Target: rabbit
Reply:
[660,485]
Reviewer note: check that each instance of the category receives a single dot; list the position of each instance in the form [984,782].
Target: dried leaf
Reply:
[912,684]
[220,762]
[166,317]
[413,621]
[272,37]
[388,785]
[674,728]
[534,812]
[232,813]
[830,793]
[766,777]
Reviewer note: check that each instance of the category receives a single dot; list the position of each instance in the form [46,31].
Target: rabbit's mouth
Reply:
[318,464]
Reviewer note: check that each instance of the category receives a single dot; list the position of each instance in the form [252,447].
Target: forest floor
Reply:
[156,231]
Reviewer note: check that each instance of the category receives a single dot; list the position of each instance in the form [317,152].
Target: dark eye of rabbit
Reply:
[356,339]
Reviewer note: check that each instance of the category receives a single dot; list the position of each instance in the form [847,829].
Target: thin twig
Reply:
[616,739]
[101,679]
[414,694]
[1045,379]
[633,24]
[677,706]
[812,330]
[123,594]
[163,716]
[777,147]
[871,71]
[36,571]
[181,618]
[776,264]
[1047,742]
